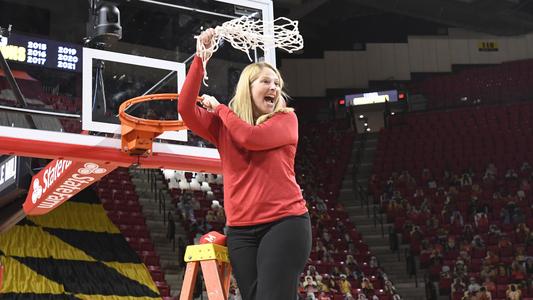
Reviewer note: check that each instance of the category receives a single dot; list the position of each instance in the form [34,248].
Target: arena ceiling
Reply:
[498,17]
[348,24]
[342,24]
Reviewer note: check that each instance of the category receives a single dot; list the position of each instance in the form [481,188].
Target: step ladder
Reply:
[216,270]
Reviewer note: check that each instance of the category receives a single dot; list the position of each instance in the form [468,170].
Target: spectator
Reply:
[335,271]
[464,256]
[460,270]
[374,262]
[517,272]
[310,288]
[360,296]
[481,220]
[311,271]
[450,244]
[186,206]
[456,218]
[520,256]
[218,210]
[419,193]
[504,242]
[478,243]
[525,168]
[319,284]
[489,285]
[513,292]
[181,252]
[171,226]
[457,286]
[492,258]
[473,286]
[350,260]
[367,286]
[327,258]
[210,217]
[321,205]
[323,296]
[236,295]
[468,235]
[487,272]
[344,285]
[326,236]
[494,230]
[330,284]
[466,179]
[445,272]
[490,173]
[389,288]
[432,183]
[320,249]
[511,174]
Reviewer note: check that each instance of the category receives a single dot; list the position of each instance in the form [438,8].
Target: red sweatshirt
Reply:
[257,161]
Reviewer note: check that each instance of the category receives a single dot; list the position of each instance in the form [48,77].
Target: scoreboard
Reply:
[41,52]
[372,98]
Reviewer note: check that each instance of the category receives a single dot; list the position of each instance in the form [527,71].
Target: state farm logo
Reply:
[72,184]
[37,191]
[62,180]
[50,175]
[91,168]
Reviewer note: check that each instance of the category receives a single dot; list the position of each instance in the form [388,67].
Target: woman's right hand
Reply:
[206,37]
[209,102]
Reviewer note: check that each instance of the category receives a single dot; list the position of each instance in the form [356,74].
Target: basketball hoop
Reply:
[137,133]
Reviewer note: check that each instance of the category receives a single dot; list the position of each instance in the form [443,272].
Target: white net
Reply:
[247,34]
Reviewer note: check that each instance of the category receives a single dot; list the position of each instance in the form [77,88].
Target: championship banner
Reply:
[59,181]
[488,46]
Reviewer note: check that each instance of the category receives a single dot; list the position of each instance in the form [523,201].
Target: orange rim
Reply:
[158,125]
[137,133]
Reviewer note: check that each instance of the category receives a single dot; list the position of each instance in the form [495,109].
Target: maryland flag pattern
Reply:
[74,252]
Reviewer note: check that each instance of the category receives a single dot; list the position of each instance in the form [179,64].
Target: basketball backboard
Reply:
[72,90]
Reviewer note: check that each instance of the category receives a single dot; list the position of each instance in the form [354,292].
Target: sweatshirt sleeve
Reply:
[197,119]
[279,130]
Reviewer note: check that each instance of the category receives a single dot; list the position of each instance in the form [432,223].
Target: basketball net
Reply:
[245,34]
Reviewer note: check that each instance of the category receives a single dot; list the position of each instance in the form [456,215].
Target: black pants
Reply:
[267,259]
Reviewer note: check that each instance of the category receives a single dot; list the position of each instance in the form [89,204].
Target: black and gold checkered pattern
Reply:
[74,252]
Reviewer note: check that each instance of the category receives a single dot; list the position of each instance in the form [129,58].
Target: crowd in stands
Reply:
[471,231]
[464,204]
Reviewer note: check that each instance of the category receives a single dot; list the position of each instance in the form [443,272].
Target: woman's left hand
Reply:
[209,102]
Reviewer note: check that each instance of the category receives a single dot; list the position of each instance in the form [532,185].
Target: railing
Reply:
[394,242]
[431,291]
[161,198]
[361,193]
[158,195]
[355,169]
[410,265]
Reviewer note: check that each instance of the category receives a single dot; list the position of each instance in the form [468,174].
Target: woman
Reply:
[269,230]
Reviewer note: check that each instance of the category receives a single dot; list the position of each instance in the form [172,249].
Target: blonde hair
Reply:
[241,103]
